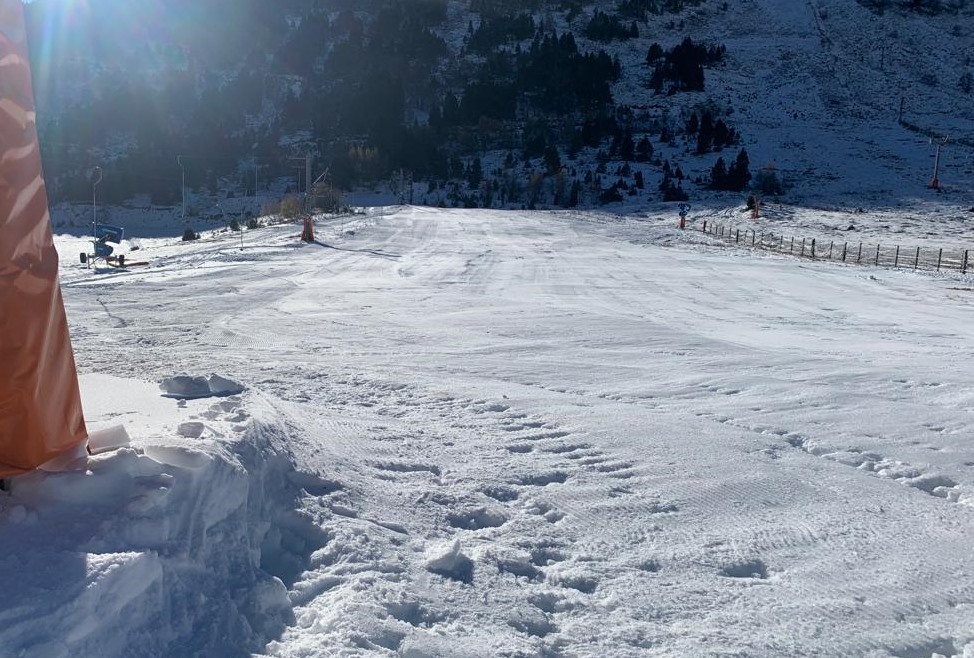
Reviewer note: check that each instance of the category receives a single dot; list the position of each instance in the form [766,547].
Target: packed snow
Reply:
[483,433]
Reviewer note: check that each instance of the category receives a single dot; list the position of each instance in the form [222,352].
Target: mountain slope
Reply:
[840,97]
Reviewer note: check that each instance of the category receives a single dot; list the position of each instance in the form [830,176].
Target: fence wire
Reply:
[935,259]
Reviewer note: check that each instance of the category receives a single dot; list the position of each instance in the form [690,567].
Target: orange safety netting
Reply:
[40,404]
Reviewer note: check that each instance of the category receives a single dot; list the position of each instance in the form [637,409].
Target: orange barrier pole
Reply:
[40,404]
[308,233]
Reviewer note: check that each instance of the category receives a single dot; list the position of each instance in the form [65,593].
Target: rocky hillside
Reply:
[544,103]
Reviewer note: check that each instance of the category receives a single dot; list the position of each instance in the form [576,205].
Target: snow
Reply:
[488,433]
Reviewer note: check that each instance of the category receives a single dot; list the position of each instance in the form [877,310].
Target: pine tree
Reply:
[739,173]
[718,175]
[644,150]
[627,150]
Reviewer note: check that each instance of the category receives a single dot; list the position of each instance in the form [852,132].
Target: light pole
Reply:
[256,182]
[95,179]
[179,161]
[935,181]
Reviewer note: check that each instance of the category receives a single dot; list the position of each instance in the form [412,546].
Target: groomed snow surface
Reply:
[445,433]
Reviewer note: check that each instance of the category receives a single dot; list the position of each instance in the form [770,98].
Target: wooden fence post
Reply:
[916,260]
[896,261]
[940,257]
[877,254]
[754,236]
[845,248]
[859,257]
[737,239]
[791,249]
[963,269]
[831,244]
[813,247]
[704,229]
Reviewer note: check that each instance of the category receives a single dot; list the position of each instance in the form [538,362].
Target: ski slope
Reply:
[487,433]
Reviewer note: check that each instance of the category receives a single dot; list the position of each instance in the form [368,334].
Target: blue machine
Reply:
[105,234]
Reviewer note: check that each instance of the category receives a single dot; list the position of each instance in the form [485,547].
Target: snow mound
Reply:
[156,548]
[186,387]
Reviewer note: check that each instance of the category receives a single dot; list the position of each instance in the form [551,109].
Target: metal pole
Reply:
[935,181]
[256,185]
[96,178]
[179,161]
[307,183]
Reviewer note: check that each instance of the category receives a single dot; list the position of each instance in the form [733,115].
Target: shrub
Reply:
[190,235]
[290,207]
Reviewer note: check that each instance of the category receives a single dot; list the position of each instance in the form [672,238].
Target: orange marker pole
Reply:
[40,403]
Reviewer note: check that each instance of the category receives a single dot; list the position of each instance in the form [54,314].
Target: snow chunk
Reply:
[186,387]
[105,440]
[427,645]
[449,561]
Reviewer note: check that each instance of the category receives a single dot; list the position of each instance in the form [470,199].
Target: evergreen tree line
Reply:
[641,9]
[605,28]
[733,178]
[369,89]
[682,65]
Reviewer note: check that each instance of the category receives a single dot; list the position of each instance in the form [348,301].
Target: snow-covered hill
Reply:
[842,102]
[485,433]
[839,99]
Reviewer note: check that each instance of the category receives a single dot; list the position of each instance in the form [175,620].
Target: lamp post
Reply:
[256,182]
[96,176]
[179,161]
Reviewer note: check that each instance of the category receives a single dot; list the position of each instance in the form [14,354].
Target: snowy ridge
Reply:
[152,551]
